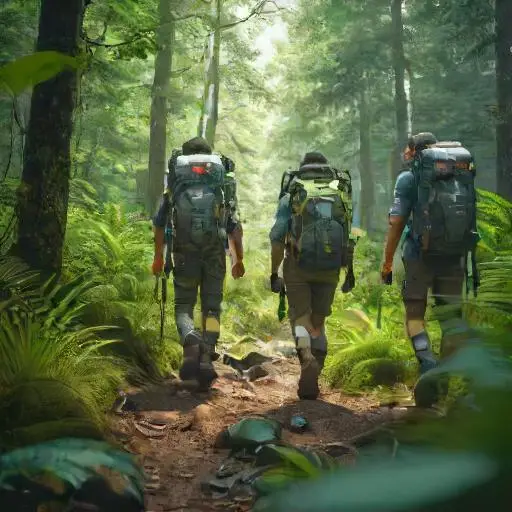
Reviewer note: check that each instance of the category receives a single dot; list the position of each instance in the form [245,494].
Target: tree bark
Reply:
[159,105]
[504,92]
[210,108]
[43,194]
[365,162]
[399,65]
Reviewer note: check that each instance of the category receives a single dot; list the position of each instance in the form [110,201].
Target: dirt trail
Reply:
[181,453]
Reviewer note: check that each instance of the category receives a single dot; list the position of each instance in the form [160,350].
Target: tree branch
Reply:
[257,10]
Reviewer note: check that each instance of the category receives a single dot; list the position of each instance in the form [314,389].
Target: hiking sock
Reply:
[423,352]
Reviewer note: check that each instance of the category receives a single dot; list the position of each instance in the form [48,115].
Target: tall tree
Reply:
[43,194]
[399,67]
[365,156]
[503,16]
[210,104]
[165,37]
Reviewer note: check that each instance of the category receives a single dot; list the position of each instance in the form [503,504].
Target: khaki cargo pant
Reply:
[444,276]
[310,295]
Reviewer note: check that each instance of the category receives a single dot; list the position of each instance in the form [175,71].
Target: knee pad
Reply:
[184,324]
[302,337]
[421,342]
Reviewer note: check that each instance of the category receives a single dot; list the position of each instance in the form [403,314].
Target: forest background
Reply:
[84,154]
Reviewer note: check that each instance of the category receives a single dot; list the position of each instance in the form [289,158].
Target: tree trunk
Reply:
[159,108]
[399,65]
[365,162]
[43,194]
[210,109]
[504,93]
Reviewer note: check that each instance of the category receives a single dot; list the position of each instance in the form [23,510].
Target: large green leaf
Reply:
[33,69]
[421,479]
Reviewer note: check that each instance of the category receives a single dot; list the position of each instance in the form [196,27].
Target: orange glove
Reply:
[386,272]
[158,265]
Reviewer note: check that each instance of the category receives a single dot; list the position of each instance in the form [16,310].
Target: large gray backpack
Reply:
[444,219]
[198,201]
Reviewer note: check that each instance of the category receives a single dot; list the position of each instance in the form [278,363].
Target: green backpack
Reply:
[444,219]
[321,206]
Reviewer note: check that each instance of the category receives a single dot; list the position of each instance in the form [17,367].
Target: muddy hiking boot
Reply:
[191,354]
[207,373]
[311,364]
[429,389]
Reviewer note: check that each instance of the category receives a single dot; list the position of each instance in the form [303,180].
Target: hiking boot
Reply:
[207,373]
[191,352]
[310,369]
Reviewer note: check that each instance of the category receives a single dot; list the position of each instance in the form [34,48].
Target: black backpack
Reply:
[444,218]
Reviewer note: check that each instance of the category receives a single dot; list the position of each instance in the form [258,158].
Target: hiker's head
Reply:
[196,146]
[417,143]
[313,157]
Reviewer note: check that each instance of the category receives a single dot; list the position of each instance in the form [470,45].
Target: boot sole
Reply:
[308,381]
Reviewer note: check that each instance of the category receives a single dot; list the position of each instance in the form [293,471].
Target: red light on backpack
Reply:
[198,170]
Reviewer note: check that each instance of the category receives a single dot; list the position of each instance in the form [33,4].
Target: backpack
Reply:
[444,218]
[199,213]
[321,206]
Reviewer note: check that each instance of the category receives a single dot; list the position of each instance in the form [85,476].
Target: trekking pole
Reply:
[388,281]
[281,310]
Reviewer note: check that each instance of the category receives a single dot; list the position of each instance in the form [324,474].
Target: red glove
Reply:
[158,265]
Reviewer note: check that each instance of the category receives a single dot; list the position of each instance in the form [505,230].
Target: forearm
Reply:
[159,238]
[395,230]
[235,242]
[277,256]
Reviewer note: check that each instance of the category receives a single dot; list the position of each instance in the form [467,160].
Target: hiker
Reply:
[199,212]
[435,200]
[312,233]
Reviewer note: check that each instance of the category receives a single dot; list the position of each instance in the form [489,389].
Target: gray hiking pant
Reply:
[204,271]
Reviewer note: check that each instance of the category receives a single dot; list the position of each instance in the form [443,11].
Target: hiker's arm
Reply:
[398,215]
[279,232]
[159,222]
[235,242]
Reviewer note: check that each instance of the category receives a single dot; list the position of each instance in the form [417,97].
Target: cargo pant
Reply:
[445,277]
[309,294]
[202,271]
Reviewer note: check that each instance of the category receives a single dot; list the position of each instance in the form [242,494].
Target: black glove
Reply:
[276,283]
[350,281]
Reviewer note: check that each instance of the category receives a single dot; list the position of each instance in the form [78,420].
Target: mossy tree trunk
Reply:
[365,156]
[43,194]
[159,105]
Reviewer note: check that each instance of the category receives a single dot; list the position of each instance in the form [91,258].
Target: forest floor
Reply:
[174,430]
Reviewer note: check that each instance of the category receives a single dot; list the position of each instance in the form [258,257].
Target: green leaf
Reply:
[420,479]
[33,69]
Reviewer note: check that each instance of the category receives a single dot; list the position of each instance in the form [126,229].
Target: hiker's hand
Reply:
[386,274]
[350,281]
[238,269]
[276,283]
[158,265]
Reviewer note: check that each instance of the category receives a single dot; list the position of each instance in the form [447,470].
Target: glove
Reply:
[386,274]
[276,283]
[350,281]
[158,265]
